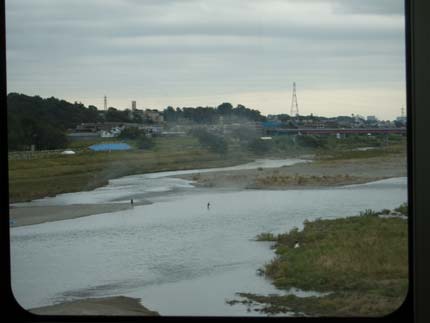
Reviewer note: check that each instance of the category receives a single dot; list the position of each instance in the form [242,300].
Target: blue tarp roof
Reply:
[107,147]
[271,124]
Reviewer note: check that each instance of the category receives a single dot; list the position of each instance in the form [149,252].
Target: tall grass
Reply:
[362,261]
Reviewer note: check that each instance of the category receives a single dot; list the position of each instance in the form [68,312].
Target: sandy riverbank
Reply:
[118,305]
[28,215]
[319,173]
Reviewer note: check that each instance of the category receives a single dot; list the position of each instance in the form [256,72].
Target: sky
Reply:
[345,56]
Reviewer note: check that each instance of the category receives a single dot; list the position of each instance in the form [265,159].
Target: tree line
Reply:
[33,120]
[44,122]
[225,112]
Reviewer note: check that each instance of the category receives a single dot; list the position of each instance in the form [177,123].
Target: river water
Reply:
[176,255]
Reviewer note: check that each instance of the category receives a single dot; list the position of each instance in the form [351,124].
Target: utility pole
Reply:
[105,103]
[294,104]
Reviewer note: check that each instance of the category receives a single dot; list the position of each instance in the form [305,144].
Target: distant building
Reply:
[153,116]
[313,124]
[113,132]
[133,105]
[271,124]
[151,130]
[372,119]
[401,120]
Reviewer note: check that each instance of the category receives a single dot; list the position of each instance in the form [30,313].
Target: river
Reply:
[176,255]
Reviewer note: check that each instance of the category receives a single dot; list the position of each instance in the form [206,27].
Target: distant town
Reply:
[160,123]
[37,123]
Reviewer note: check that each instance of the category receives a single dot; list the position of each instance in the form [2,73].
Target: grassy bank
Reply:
[37,178]
[342,152]
[362,261]
[280,181]
[54,174]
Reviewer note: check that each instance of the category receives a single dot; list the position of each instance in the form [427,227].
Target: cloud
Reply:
[373,7]
[196,47]
[384,7]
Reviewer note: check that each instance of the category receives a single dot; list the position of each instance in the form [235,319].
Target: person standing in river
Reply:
[209,206]
[131,202]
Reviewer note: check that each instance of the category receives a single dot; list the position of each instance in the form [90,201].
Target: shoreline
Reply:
[111,306]
[318,174]
[352,276]
[29,215]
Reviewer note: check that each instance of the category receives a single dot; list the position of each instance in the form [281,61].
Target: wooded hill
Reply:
[33,120]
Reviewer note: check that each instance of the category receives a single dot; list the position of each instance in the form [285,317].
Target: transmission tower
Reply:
[402,112]
[105,103]
[294,105]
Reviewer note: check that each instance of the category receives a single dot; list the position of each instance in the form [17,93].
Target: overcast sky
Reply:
[346,56]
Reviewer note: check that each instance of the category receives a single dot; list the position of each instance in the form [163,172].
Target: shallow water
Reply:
[138,186]
[174,254]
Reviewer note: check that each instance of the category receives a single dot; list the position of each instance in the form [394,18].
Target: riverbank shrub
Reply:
[311,141]
[38,178]
[402,209]
[266,236]
[368,212]
[213,142]
[361,261]
[259,146]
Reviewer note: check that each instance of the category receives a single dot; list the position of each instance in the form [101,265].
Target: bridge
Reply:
[333,131]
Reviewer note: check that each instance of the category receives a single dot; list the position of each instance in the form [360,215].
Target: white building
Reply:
[114,132]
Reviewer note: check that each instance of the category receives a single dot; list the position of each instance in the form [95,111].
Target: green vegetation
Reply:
[43,122]
[402,209]
[33,120]
[308,180]
[138,138]
[37,178]
[55,173]
[213,142]
[259,146]
[349,147]
[311,141]
[338,153]
[361,261]
[225,112]
[325,147]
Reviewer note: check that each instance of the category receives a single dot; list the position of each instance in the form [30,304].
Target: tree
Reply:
[169,114]
[114,115]
[245,133]
[311,141]
[131,133]
[43,122]
[260,146]
[213,142]
[225,108]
